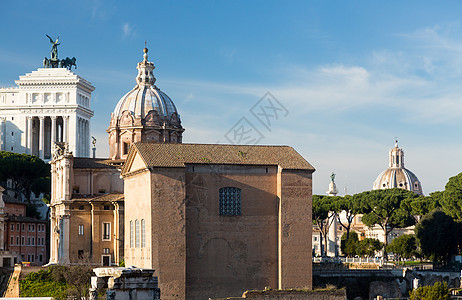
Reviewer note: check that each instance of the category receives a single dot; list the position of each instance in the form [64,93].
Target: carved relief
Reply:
[174,120]
[126,119]
[152,118]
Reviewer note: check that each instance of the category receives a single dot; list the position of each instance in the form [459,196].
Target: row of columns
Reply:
[83,137]
[54,136]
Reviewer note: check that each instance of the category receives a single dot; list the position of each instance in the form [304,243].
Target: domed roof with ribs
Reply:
[146,97]
[397,176]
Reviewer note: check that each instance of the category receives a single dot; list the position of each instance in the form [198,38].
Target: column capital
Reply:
[41,118]
[53,117]
[29,117]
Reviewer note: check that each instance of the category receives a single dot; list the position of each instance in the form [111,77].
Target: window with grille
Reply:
[230,201]
[143,233]
[106,231]
[132,240]
[137,233]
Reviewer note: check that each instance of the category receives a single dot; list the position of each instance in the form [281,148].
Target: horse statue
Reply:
[68,63]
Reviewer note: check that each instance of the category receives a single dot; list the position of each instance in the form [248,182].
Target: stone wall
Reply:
[268,294]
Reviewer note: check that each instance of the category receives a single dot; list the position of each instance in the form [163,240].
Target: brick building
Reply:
[24,237]
[217,220]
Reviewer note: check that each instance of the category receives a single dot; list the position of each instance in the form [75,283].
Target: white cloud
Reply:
[127,30]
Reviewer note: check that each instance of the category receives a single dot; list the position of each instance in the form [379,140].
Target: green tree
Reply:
[422,205]
[439,291]
[452,197]
[388,209]
[28,173]
[323,217]
[349,244]
[350,206]
[404,246]
[438,236]
[368,247]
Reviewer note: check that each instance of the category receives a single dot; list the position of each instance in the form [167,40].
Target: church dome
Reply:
[145,114]
[146,97]
[397,176]
[143,99]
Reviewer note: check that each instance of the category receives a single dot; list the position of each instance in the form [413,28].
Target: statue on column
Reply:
[54,48]
[332,187]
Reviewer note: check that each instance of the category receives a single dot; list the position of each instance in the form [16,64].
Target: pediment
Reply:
[136,163]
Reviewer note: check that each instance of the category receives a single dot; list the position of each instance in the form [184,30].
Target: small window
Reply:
[33,227]
[80,254]
[40,257]
[81,207]
[106,231]
[126,147]
[23,227]
[137,233]
[230,201]
[132,240]
[17,227]
[12,240]
[106,250]
[107,207]
[80,229]
[12,227]
[143,233]
[17,240]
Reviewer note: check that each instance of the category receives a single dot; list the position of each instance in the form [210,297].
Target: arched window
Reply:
[230,201]
[132,240]
[137,233]
[143,233]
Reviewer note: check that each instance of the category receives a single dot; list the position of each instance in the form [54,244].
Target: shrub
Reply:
[439,291]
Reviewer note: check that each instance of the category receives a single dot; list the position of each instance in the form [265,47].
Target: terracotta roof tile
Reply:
[177,155]
[100,198]
[95,163]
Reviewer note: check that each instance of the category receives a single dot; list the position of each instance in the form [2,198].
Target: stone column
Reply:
[2,135]
[65,129]
[41,136]
[53,131]
[77,138]
[29,135]
[66,250]
[66,180]
[53,237]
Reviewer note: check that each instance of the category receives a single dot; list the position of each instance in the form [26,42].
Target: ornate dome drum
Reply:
[143,114]
[397,176]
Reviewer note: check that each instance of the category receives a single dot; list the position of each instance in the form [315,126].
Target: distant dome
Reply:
[397,176]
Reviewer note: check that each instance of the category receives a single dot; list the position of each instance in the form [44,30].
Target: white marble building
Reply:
[48,105]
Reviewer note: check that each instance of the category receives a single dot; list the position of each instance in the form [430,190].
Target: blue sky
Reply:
[351,75]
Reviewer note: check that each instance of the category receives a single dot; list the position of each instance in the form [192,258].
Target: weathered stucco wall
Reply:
[228,255]
[294,190]
[169,234]
[137,206]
